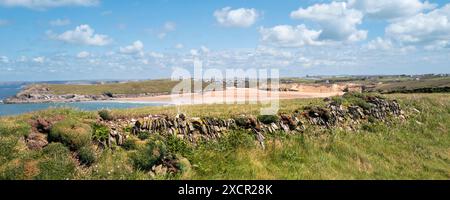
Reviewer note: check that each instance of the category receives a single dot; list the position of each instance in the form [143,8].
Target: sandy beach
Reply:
[229,95]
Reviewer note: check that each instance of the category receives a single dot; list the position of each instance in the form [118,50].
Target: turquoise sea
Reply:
[7,90]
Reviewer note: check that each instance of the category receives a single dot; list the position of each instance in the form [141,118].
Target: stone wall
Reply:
[193,129]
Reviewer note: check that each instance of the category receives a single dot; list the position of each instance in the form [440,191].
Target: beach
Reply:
[230,95]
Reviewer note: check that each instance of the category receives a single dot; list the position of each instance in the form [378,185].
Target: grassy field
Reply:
[418,148]
[411,85]
[140,87]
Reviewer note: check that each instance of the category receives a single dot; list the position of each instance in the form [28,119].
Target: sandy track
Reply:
[229,95]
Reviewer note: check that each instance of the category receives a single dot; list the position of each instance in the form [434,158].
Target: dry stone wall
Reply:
[193,129]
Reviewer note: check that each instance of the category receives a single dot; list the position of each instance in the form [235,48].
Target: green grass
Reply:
[412,85]
[418,148]
[140,87]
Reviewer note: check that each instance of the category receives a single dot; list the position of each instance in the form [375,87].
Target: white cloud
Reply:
[83,54]
[179,46]
[431,30]
[204,49]
[43,4]
[168,27]
[136,48]
[390,9]
[194,52]
[82,34]
[60,22]
[156,55]
[263,51]
[337,20]
[289,36]
[40,59]
[4,59]
[380,44]
[241,17]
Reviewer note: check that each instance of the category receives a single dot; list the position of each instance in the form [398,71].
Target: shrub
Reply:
[143,135]
[71,133]
[149,155]
[108,94]
[355,98]
[57,163]
[183,164]
[130,143]
[268,119]
[241,121]
[86,155]
[178,146]
[105,115]
[100,133]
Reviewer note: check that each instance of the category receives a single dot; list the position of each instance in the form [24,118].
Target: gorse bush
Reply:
[268,119]
[86,155]
[178,146]
[130,143]
[100,133]
[150,154]
[71,133]
[105,115]
[143,135]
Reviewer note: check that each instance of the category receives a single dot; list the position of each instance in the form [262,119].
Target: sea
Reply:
[11,89]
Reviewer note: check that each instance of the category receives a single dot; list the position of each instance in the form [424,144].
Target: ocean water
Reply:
[7,90]
[15,109]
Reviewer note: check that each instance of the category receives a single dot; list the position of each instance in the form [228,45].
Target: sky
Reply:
[42,40]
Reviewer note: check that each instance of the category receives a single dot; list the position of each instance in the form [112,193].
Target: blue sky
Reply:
[107,39]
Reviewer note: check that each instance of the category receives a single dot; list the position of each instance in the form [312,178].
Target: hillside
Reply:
[71,144]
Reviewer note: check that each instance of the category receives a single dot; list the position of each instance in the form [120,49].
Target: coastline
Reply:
[212,97]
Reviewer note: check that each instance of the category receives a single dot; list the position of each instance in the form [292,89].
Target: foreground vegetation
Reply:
[418,148]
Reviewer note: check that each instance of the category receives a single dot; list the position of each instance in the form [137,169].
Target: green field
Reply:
[140,87]
[418,148]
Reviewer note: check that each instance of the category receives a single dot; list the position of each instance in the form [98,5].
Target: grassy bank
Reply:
[140,87]
[418,148]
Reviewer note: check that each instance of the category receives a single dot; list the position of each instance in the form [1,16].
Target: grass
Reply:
[140,87]
[418,148]
[414,85]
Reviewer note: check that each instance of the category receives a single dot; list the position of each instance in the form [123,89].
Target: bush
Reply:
[100,133]
[57,163]
[86,155]
[71,133]
[149,155]
[178,146]
[241,121]
[268,119]
[143,135]
[130,143]
[105,115]
[183,164]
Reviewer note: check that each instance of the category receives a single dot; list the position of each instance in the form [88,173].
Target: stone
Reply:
[36,141]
